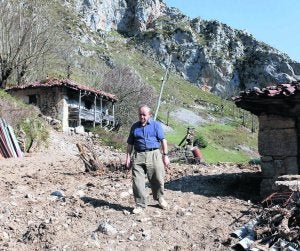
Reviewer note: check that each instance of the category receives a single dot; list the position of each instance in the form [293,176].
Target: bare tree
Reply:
[28,32]
[131,92]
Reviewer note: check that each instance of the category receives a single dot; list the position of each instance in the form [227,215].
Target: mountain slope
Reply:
[203,52]
[89,53]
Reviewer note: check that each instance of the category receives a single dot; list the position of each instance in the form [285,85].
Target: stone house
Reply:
[71,103]
[278,111]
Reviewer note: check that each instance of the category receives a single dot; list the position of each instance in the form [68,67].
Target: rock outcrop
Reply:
[204,52]
[127,16]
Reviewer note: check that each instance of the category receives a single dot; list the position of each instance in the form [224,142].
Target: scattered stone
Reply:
[144,219]
[79,130]
[180,213]
[146,234]
[79,194]
[90,184]
[58,194]
[132,237]
[4,237]
[107,229]
[126,212]
[124,195]
[29,196]
[76,213]
[117,185]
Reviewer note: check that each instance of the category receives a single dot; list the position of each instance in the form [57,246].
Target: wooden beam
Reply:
[79,110]
[113,113]
[164,80]
[101,110]
[95,106]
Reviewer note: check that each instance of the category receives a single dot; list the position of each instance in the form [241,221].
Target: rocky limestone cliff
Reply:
[127,16]
[208,53]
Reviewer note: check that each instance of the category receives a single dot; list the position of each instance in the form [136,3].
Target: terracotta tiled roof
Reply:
[52,82]
[280,90]
[280,99]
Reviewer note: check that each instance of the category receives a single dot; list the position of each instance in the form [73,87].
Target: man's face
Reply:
[144,115]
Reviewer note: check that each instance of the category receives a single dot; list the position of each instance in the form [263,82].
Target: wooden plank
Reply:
[15,142]
[9,146]
[9,141]
[4,147]
[3,150]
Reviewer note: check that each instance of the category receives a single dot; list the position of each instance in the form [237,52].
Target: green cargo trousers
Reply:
[150,164]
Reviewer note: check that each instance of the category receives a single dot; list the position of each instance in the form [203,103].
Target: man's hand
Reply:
[166,161]
[128,164]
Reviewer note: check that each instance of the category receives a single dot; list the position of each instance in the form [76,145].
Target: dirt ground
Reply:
[49,202]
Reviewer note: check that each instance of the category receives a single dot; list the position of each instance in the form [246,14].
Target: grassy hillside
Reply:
[229,138]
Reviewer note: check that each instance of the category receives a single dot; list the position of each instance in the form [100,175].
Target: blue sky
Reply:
[275,22]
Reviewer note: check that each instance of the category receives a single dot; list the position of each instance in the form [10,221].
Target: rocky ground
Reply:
[49,202]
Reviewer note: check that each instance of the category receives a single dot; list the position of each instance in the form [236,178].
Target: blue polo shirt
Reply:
[146,137]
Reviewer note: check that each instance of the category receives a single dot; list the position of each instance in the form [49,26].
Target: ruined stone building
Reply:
[278,111]
[71,103]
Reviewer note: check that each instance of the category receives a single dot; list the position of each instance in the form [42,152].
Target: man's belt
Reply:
[146,150]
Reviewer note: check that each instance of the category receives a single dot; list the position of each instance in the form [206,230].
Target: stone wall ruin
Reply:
[278,148]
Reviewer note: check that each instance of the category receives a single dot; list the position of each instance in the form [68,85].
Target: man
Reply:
[146,137]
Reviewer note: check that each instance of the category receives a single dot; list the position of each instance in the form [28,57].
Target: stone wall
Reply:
[49,101]
[278,147]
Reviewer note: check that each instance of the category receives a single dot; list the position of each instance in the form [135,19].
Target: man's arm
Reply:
[164,146]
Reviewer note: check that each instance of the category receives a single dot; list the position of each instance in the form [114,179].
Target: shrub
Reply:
[34,130]
[111,138]
[200,141]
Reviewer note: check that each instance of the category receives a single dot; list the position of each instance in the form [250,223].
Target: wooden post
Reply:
[168,115]
[101,110]
[95,108]
[252,120]
[79,110]
[113,113]
[162,86]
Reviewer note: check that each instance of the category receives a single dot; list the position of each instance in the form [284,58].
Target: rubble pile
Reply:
[275,226]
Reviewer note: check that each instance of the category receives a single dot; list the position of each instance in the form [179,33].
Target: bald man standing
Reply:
[150,157]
